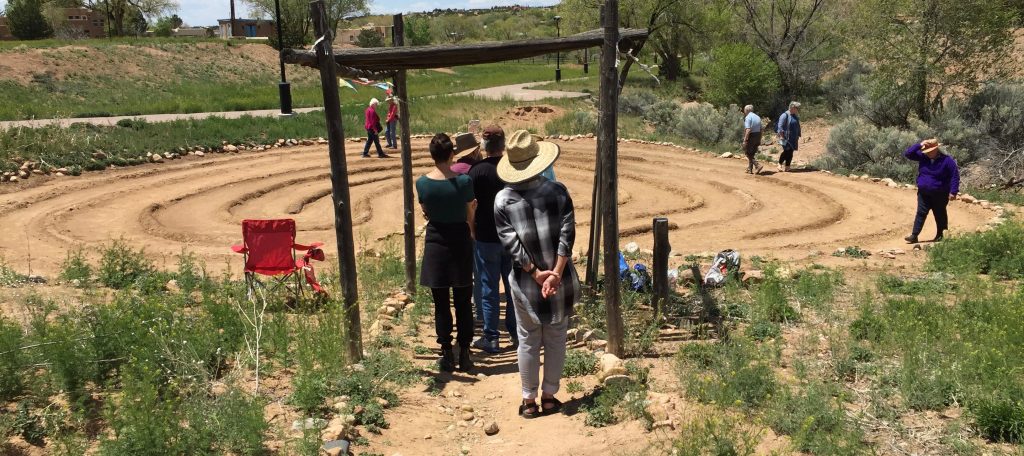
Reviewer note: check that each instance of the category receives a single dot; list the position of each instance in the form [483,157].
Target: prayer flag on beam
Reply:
[345,83]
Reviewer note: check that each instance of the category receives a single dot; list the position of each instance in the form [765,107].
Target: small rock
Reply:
[156,158]
[967,198]
[491,428]
[99,155]
[428,437]
[465,449]
[618,379]
[309,423]
[726,155]
[387,311]
[754,276]
[230,148]
[491,397]
[357,367]
[466,408]
[467,416]
[199,153]
[172,286]
[632,247]
[462,423]
[898,252]
[35,278]
[597,344]
[383,402]
[610,365]
[454,393]
[888,255]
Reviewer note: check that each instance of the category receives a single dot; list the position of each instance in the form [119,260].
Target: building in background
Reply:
[194,32]
[247,28]
[76,22]
[348,37]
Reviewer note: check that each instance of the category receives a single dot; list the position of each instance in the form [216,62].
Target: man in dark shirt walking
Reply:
[493,263]
[938,182]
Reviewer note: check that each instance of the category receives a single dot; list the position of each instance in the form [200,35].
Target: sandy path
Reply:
[522,92]
[198,203]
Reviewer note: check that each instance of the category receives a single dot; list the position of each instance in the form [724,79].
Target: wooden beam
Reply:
[302,58]
[339,183]
[609,109]
[660,267]
[409,205]
[594,247]
[449,55]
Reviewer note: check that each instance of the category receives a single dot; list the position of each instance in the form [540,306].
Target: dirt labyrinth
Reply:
[197,204]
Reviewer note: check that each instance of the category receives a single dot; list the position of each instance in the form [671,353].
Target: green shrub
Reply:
[710,126]
[815,420]
[856,146]
[637,102]
[579,363]
[122,266]
[720,435]
[817,289]
[740,74]
[771,301]
[610,405]
[995,252]
[762,330]
[12,359]
[76,267]
[998,110]
[232,423]
[9,277]
[890,284]
[999,414]
[144,423]
[727,373]
[868,325]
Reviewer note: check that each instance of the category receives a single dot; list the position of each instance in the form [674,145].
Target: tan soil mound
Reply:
[198,204]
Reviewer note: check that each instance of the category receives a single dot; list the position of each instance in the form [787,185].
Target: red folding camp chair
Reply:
[270,250]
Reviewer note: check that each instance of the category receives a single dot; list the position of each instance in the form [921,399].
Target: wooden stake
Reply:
[402,93]
[661,249]
[339,180]
[609,187]
[594,247]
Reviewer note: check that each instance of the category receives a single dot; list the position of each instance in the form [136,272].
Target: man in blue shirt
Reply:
[788,129]
[751,138]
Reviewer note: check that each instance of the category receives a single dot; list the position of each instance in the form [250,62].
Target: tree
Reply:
[926,50]
[128,17]
[793,34]
[369,38]
[417,31]
[740,74]
[296,22]
[165,25]
[26,19]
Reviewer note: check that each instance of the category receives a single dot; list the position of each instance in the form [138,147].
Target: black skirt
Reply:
[447,256]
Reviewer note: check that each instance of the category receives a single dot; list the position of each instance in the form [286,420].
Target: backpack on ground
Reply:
[726,263]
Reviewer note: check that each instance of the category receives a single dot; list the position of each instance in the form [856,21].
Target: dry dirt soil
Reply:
[198,203]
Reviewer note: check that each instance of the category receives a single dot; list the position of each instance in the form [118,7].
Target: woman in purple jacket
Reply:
[938,182]
[373,130]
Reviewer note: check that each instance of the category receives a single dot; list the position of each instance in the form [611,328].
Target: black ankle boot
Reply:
[447,361]
[465,362]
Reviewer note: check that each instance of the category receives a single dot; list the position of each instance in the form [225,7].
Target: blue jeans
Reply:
[389,134]
[493,266]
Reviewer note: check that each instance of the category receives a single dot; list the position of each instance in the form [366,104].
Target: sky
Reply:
[206,12]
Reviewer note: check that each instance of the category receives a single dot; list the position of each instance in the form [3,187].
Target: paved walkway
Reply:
[522,92]
[108,121]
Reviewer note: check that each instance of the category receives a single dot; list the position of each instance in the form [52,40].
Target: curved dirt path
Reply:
[197,204]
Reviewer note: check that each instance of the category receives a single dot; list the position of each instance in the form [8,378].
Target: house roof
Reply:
[228,21]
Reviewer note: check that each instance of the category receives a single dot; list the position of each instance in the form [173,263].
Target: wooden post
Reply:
[594,247]
[339,179]
[661,250]
[609,187]
[402,93]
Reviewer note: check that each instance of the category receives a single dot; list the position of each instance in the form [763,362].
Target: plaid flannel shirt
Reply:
[536,224]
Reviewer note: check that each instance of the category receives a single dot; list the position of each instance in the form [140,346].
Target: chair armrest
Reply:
[307,247]
[238,248]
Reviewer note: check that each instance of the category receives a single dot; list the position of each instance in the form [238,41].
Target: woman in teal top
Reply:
[448,204]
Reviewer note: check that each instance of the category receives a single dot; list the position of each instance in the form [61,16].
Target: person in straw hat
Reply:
[448,204]
[536,224]
[938,182]
[467,152]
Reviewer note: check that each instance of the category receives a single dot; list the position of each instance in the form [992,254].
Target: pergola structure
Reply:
[380,63]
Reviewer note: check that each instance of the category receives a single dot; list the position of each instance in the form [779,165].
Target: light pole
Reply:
[284,89]
[558,55]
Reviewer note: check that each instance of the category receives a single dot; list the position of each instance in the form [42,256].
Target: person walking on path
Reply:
[938,182]
[751,138]
[493,263]
[391,119]
[788,129]
[448,204]
[373,130]
[536,224]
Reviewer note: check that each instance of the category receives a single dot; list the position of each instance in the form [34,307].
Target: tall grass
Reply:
[997,252]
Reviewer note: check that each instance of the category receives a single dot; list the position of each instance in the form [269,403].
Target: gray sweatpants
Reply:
[531,338]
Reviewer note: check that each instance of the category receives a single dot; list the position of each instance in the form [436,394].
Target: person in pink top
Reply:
[373,130]
[467,152]
[391,120]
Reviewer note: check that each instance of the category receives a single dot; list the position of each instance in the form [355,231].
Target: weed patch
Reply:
[995,252]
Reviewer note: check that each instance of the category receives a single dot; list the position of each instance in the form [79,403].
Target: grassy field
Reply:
[128,78]
[127,143]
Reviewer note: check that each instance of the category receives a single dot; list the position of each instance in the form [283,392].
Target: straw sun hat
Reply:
[929,145]
[525,157]
[465,144]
